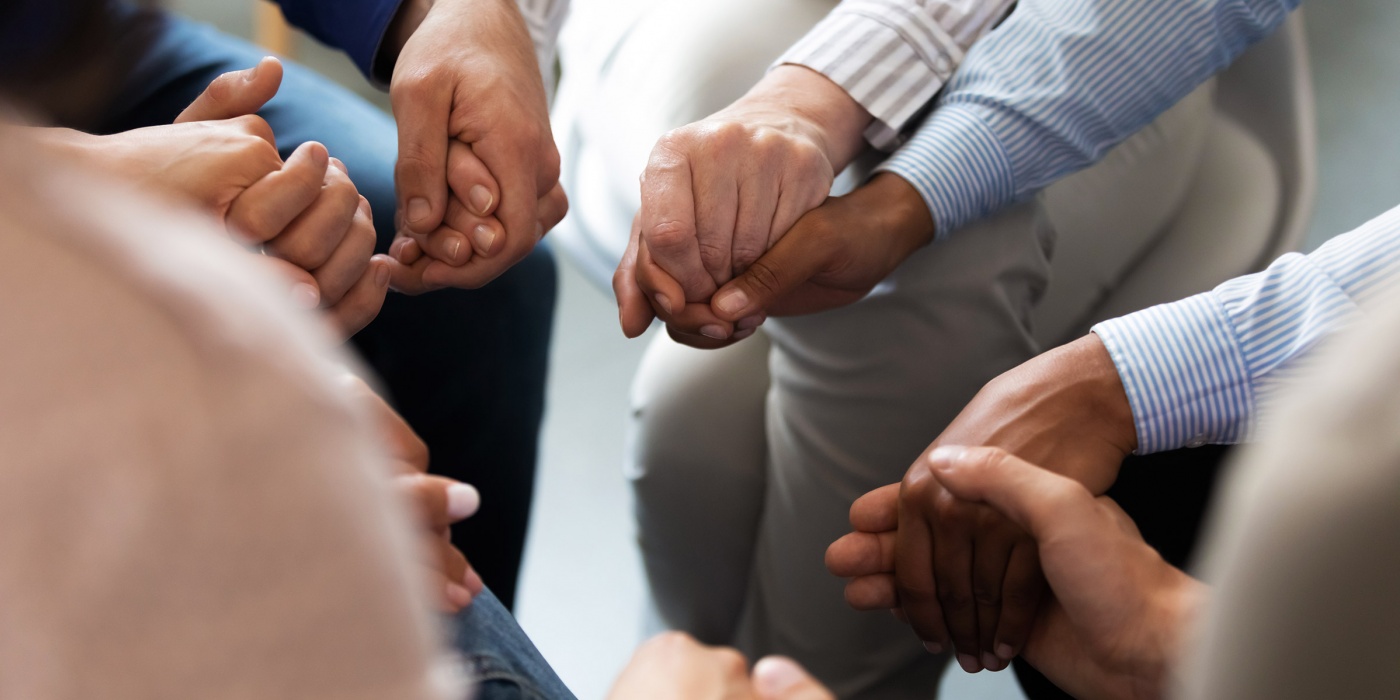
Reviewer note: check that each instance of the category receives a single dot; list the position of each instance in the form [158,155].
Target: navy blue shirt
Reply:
[356,27]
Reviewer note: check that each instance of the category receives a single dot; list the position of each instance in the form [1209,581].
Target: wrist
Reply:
[1176,611]
[826,112]
[405,22]
[899,211]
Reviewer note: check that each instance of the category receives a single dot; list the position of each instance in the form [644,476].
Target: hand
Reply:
[439,501]
[718,193]
[832,257]
[676,667]
[1065,409]
[476,155]
[1117,605]
[307,213]
[221,157]
[1118,609]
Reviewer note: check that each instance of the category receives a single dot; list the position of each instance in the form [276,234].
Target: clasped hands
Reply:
[963,547]
[736,225]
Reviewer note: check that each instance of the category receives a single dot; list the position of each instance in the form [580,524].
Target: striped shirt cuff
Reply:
[892,78]
[958,165]
[1184,372]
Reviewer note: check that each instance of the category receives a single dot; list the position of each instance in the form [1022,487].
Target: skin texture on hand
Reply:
[833,256]
[438,501]
[305,213]
[1118,611]
[719,193]
[673,666]
[478,171]
[971,579]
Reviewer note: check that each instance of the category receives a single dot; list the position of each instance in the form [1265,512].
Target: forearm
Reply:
[1059,84]
[1204,369]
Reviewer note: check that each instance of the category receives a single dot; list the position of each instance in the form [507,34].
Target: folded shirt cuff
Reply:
[1185,374]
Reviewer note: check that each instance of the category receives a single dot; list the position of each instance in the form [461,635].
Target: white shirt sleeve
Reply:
[893,56]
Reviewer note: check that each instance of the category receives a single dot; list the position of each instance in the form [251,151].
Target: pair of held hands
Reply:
[963,547]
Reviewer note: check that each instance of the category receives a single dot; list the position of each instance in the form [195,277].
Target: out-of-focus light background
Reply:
[582,594]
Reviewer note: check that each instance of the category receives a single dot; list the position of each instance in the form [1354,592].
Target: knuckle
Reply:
[713,256]
[987,594]
[955,600]
[669,235]
[763,278]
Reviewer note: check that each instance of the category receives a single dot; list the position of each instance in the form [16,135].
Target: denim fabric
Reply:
[498,655]
[466,368]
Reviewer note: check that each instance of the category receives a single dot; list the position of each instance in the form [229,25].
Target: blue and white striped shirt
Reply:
[1205,369]
[1061,82]
[1049,93]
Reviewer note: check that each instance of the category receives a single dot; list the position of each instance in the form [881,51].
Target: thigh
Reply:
[857,394]
[696,460]
[503,662]
[1107,217]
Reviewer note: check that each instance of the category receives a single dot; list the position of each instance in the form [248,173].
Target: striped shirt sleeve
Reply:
[893,56]
[1205,369]
[1061,82]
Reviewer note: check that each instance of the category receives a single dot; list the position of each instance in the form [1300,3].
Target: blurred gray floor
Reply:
[582,592]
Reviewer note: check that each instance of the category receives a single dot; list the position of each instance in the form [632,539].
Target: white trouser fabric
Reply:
[745,460]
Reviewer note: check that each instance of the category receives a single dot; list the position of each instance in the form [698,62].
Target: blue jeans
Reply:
[502,659]
[466,368]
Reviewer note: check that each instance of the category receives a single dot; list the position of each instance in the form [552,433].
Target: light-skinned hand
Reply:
[718,193]
[673,666]
[305,213]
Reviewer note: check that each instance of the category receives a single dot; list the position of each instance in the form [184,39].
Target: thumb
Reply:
[781,678]
[236,94]
[785,267]
[1042,502]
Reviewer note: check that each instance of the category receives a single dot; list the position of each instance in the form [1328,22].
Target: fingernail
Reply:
[462,501]
[1005,652]
[740,335]
[305,296]
[252,73]
[661,301]
[749,323]
[991,662]
[713,331]
[418,209]
[969,663]
[381,275]
[774,675]
[454,249]
[480,199]
[397,247]
[944,456]
[458,595]
[484,236]
[933,647]
[732,301]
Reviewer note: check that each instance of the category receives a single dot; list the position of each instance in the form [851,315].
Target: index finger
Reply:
[420,174]
[668,223]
